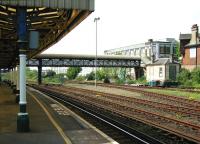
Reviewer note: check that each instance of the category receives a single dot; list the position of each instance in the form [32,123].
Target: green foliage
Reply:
[73,72]
[130,81]
[4,76]
[90,76]
[106,80]
[189,79]
[31,74]
[101,74]
[184,77]
[177,52]
[141,80]
[122,74]
[50,73]
[195,76]
[176,92]
[119,81]
[57,79]
[80,78]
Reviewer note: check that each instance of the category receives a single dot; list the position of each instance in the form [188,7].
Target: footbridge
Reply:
[66,60]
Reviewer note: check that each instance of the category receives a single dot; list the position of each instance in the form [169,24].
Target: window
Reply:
[160,72]
[167,49]
[164,49]
[192,52]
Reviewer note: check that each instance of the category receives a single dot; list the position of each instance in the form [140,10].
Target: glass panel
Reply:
[192,52]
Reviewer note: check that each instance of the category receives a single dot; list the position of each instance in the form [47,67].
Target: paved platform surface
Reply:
[50,122]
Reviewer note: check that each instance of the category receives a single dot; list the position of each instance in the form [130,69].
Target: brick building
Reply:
[190,49]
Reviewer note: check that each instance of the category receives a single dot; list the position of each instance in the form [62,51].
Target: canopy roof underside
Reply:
[53,19]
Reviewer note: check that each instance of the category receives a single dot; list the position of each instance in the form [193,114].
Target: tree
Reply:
[31,74]
[177,52]
[50,73]
[72,72]
[90,76]
[101,74]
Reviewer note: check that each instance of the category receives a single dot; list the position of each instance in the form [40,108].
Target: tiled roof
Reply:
[185,36]
[163,61]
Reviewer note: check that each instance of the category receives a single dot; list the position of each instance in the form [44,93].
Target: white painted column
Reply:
[22,79]
[14,77]
[17,78]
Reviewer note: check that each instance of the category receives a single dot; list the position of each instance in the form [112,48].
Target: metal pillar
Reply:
[22,117]
[95,20]
[40,72]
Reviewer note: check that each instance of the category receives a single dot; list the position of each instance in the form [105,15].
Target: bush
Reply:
[120,81]
[90,76]
[129,81]
[80,78]
[195,76]
[72,72]
[101,74]
[141,80]
[184,76]
[106,80]
[50,73]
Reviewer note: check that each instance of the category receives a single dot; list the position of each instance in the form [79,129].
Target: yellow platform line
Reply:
[65,138]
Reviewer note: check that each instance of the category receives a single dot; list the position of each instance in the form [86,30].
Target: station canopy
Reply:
[53,19]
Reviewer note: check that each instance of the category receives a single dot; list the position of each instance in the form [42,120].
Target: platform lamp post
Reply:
[96,20]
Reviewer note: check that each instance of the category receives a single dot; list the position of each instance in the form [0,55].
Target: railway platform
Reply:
[50,122]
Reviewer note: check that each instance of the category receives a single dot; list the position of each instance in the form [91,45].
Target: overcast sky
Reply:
[127,22]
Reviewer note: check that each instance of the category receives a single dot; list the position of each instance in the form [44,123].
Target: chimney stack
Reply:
[195,35]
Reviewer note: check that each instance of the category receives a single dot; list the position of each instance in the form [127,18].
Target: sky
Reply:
[128,22]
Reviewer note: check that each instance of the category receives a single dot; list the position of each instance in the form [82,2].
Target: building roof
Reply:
[163,61]
[185,36]
[139,45]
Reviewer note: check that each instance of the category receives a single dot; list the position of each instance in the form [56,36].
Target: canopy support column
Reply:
[22,117]
[17,84]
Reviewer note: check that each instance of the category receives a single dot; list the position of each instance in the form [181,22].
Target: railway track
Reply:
[123,107]
[191,112]
[174,99]
[103,120]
